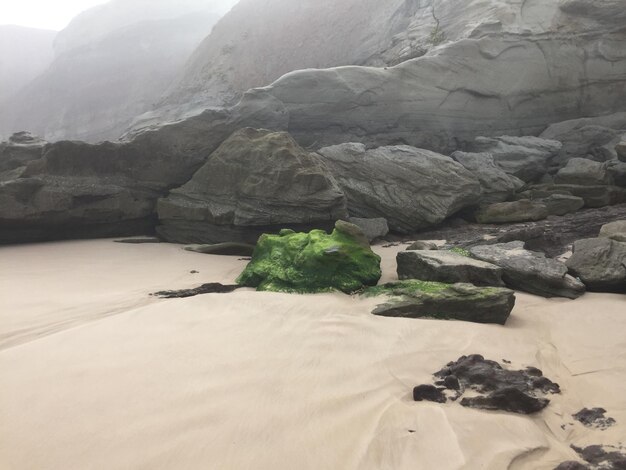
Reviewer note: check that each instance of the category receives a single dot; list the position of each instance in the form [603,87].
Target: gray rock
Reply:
[372,228]
[496,184]
[620,150]
[581,171]
[225,249]
[617,173]
[600,263]
[412,188]
[530,271]
[422,245]
[594,196]
[464,302]
[447,266]
[614,230]
[527,158]
[20,149]
[523,210]
[257,180]
[561,204]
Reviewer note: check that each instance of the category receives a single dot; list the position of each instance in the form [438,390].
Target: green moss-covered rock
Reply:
[312,262]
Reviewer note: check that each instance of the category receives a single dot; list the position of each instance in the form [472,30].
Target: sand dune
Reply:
[95,374]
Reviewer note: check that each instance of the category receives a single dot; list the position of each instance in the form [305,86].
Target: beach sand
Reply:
[97,374]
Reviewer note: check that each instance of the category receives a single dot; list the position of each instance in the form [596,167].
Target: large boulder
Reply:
[313,262]
[256,181]
[585,172]
[561,204]
[447,266]
[465,302]
[523,210]
[600,263]
[412,188]
[530,271]
[496,184]
[614,230]
[527,158]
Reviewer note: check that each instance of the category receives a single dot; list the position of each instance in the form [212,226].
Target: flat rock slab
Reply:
[530,271]
[600,263]
[447,266]
[523,210]
[226,249]
[464,302]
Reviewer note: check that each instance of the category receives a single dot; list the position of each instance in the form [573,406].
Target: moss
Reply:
[407,287]
[461,251]
[311,262]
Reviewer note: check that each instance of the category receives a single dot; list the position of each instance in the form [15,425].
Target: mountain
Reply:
[24,54]
[111,63]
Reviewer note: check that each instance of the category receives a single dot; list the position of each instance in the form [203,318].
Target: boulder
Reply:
[581,171]
[422,245]
[465,302]
[617,173]
[226,249]
[312,262]
[496,184]
[412,188]
[600,263]
[530,271]
[447,266]
[527,158]
[515,211]
[256,181]
[561,204]
[372,228]
[594,196]
[614,230]
[620,149]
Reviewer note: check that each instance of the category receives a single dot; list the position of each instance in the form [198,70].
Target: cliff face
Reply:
[111,63]
[24,54]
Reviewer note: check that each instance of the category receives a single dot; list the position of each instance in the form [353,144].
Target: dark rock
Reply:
[464,302]
[620,149]
[603,457]
[211,288]
[614,230]
[594,418]
[448,267]
[422,245]
[496,184]
[255,179]
[617,173]
[139,240]
[20,149]
[584,172]
[501,389]
[571,465]
[451,382]
[561,204]
[226,249]
[526,158]
[530,271]
[427,187]
[428,393]
[372,228]
[600,263]
[594,196]
[523,210]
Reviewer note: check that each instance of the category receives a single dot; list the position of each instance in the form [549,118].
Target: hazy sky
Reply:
[45,14]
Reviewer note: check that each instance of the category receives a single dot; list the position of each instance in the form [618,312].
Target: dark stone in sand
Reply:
[139,240]
[451,383]
[225,249]
[428,393]
[604,457]
[211,288]
[594,418]
[571,465]
[507,399]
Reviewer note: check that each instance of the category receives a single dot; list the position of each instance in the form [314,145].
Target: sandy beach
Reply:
[97,374]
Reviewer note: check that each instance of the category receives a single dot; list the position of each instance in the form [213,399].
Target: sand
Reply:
[96,374]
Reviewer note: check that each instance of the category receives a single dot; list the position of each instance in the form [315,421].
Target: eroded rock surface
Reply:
[600,263]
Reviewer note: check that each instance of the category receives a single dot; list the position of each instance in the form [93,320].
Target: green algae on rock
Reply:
[424,299]
[312,262]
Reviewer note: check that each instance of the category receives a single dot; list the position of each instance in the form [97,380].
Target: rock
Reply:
[422,245]
[603,457]
[561,204]
[497,185]
[211,288]
[594,418]
[366,176]
[581,171]
[515,211]
[372,228]
[226,248]
[465,302]
[530,271]
[620,150]
[139,240]
[571,465]
[593,138]
[256,181]
[428,393]
[600,263]
[527,158]
[500,389]
[614,230]
[311,262]
[448,267]
[617,173]
[20,149]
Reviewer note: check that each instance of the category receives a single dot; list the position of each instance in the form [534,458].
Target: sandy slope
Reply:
[94,374]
